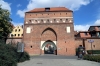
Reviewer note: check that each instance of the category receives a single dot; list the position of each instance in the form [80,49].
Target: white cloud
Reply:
[86,27]
[17,23]
[71,4]
[19,5]
[5,5]
[97,22]
[81,27]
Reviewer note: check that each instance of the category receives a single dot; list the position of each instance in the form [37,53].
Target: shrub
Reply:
[93,51]
[22,56]
[9,55]
[92,58]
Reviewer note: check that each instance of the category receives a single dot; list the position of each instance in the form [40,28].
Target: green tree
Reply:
[6,26]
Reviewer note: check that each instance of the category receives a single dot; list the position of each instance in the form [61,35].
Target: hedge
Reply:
[9,55]
[93,51]
[92,58]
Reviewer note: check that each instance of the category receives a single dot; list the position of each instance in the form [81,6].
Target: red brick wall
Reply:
[65,41]
[95,44]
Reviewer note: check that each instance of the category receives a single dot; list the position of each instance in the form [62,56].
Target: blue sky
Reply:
[85,12]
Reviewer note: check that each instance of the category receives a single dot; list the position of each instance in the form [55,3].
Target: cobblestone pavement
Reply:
[53,60]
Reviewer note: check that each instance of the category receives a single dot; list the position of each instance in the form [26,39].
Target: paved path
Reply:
[52,60]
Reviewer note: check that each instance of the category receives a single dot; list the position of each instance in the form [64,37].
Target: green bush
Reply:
[92,58]
[22,56]
[9,55]
[93,51]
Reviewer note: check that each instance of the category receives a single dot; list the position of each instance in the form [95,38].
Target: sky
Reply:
[86,13]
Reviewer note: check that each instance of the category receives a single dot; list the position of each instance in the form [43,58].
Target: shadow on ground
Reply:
[51,56]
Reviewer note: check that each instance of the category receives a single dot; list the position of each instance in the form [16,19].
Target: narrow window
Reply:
[29,20]
[18,34]
[94,46]
[66,49]
[22,34]
[41,20]
[66,19]
[31,46]
[19,29]
[15,30]
[35,20]
[60,19]
[47,20]
[11,35]
[15,34]
[54,19]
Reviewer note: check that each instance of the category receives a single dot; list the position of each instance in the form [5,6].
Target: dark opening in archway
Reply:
[49,47]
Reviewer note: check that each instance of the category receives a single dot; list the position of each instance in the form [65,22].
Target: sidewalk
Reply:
[58,62]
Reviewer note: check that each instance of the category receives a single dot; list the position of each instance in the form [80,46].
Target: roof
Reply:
[93,26]
[52,9]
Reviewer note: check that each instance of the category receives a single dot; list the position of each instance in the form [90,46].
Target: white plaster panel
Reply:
[28,30]
[68,29]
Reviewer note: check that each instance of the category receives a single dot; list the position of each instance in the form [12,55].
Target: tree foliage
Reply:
[5,23]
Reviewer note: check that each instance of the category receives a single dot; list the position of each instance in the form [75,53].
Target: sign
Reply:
[90,41]
[20,47]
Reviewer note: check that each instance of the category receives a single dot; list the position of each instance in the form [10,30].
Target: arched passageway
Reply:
[49,47]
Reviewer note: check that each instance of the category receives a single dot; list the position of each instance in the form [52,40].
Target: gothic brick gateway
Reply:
[46,28]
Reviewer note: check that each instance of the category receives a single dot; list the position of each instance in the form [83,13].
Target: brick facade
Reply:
[40,27]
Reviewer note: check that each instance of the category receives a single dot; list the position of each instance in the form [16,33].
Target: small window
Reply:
[54,19]
[41,20]
[15,30]
[48,20]
[15,34]
[94,46]
[47,9]
[11,35]
[31,46]
[30,15]
[60,19]
[29,20]
[36,20]
[66,19]
[19,29]
[48,14]
[99,28]
[86,33]
[18,34]
[22,34]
